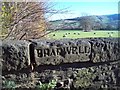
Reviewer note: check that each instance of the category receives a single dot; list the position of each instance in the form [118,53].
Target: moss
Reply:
[9,85]
[84,78]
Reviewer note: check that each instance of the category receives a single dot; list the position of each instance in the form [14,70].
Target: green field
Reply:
[80,34]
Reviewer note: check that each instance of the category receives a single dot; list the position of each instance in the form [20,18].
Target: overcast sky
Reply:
[77,7]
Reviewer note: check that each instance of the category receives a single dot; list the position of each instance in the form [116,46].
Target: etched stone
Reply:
[22,54]
[67,52]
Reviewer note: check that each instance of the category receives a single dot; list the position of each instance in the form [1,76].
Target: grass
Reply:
[80,34]
[46,86]
[9,85]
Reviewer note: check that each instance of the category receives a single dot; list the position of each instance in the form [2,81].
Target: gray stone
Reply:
[66,52]
[15,55]
[98,63]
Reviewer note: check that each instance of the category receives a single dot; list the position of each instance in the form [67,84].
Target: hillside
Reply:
[102,22]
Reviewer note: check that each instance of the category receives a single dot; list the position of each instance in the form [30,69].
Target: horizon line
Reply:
[88,15]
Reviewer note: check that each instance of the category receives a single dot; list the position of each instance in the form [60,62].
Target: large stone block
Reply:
[103,50]
[86,62]
[20,54]
[58,52]
[79,50]
[15,55]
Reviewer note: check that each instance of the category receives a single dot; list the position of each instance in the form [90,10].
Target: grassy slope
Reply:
[80,34]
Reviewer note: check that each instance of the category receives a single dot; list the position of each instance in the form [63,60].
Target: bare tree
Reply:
[87,22]
[27,19]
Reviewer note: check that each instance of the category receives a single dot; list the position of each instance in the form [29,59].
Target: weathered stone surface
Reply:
[58,52]
[101,76]
[79,50]
[104,50]
[95,68]
[19,54]
[15,55]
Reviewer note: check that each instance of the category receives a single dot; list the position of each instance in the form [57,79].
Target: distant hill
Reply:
[105,22]
[111,17]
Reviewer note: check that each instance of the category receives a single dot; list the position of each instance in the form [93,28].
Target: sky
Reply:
[77,8]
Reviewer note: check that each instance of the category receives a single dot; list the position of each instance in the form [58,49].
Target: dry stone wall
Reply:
[15,55]
[85,63]
[80,50]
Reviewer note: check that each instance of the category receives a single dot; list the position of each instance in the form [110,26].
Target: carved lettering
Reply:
[40,52]
[46,52]
[74,50]
[68,50]
[59,50]
[52,52]
[81,49]
[87,49]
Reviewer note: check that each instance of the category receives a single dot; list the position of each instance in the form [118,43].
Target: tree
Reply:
[24,20]
[6,17]
[87,22]
[27,19]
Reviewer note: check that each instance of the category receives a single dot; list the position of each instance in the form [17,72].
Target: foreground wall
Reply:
[85,63]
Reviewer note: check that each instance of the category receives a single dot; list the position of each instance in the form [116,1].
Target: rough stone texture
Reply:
[58,52]
[106,75]
[98,69]
[98,50]
[105,50]
[15,55]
